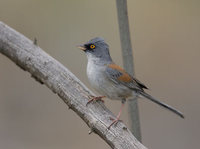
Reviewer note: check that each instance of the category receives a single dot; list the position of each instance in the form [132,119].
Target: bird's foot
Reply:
[93,98]
[114,121]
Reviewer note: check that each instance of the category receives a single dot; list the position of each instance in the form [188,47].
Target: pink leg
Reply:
[118,116]
[95,99]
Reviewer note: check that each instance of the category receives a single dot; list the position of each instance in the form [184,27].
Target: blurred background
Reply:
[166,43]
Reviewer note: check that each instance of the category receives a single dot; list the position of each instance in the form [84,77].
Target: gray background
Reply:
[166,40]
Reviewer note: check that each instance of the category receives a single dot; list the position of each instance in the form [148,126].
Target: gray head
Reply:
[96,48]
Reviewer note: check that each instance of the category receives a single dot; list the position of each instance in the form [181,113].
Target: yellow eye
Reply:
[92,46]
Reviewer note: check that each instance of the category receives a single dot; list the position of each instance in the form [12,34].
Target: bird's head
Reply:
[96,48]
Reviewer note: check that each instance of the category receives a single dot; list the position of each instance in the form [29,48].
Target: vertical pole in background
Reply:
[128,63]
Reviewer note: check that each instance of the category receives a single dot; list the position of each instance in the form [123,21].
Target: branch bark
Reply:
[62,82]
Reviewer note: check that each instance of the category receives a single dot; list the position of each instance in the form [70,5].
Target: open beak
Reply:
[82,47]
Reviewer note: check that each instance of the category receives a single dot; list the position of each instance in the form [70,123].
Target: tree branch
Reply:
[62,82]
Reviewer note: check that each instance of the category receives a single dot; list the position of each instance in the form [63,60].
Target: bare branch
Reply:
[62,82]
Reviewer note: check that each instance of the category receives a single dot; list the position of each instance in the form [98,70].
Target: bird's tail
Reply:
[161,104]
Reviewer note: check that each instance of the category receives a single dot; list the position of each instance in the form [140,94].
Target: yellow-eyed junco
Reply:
[110,80]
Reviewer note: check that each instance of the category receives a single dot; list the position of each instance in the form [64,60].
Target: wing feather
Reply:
[120,76]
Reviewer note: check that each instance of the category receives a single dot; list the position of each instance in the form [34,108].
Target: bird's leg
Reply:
[115,121]
[93,98]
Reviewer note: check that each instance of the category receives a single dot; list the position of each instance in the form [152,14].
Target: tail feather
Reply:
[162,104]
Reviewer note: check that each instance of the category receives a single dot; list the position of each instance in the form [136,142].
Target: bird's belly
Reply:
[106,87]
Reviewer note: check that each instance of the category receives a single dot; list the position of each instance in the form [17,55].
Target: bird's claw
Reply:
[114,121]
[97,98]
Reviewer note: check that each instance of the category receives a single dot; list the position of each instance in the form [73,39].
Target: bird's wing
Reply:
[118,75]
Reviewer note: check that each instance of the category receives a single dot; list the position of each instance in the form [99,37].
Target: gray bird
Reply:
[110,80]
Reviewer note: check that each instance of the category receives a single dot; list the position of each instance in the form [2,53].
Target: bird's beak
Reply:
[82,47]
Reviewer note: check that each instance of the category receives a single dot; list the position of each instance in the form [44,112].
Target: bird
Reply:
[112,81]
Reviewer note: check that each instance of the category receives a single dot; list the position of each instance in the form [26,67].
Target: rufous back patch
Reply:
[125,77]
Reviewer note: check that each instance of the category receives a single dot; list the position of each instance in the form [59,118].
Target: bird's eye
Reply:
[92,46]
